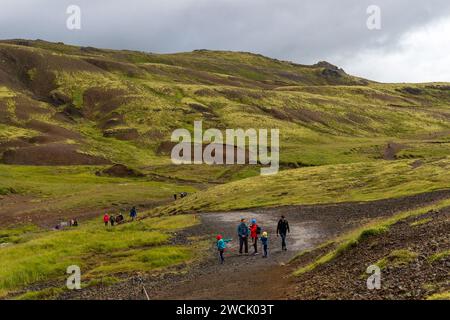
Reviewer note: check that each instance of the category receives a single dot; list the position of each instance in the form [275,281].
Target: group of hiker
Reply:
[71,223]
[245,233]
[181,195]
[111,219]
[254,232]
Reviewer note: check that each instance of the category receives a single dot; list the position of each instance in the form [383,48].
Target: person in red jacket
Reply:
[106,219]
[254,232]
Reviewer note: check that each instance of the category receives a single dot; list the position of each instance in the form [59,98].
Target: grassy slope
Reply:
[75,187]
[322,119]
[38,255]
[339,123]
[324,184]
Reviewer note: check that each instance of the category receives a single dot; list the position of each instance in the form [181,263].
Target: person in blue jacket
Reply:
[243,233]
[221,246]
[133,213]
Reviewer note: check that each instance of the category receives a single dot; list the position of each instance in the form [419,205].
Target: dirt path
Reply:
[251,277]
[22,209]
[241,272]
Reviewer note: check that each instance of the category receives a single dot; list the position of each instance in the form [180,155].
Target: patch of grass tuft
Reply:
[439,256]
[421,222]
[397,258]
[45,294]
[103,281]
[440,296]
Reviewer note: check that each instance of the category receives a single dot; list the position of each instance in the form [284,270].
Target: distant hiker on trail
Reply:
[119,218]
[106,219]
[265,243]
[255,231]
[175,196]
[133,213]
[221,246]
[243,236]
[112,220]
[282,231]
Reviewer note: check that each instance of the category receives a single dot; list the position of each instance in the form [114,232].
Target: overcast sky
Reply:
[413,44]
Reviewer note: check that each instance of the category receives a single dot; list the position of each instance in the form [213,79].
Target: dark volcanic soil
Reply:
[345,277]
[251,277]
[59,154]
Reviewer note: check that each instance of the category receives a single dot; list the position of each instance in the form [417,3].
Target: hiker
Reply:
[221,246]
[112,220]
[243,236]
[265,243]
[175,196]
[106,219]
[119,218]
[133,213]
[282,231]
[255,231]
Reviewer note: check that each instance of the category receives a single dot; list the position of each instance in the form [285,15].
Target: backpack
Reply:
[258,230]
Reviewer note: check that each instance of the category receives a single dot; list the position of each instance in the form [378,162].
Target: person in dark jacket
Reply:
[242,231]
[133,213]
[119,218]
[282,231]
[265,243]
[112,220]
